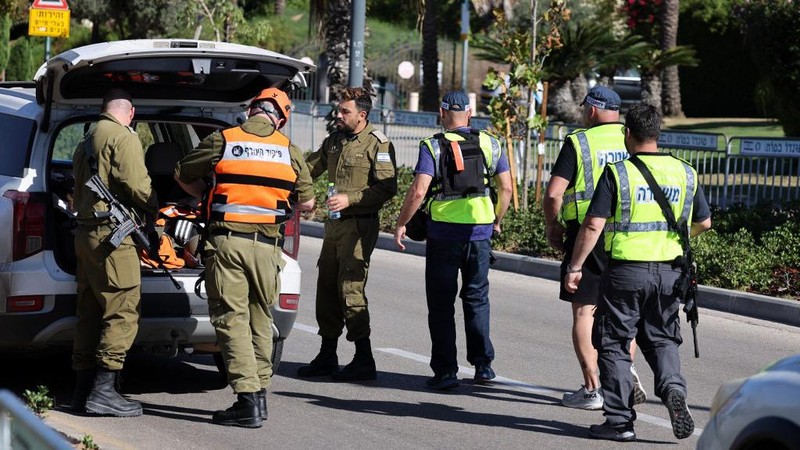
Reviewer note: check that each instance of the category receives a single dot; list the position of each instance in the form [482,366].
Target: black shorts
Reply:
[593,268]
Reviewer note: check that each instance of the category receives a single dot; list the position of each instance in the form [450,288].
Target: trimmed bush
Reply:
[754,249]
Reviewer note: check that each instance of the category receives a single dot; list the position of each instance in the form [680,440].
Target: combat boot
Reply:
[84,380]
[262,403]
[105,400]
[362,367]
[243,413]
[325,363]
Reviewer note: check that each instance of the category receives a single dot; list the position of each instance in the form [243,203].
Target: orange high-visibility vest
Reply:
[253,179]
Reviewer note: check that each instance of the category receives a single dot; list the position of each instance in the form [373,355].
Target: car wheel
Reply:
[768,432]
[277,353]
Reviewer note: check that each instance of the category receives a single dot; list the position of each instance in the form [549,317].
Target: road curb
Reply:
[734,302]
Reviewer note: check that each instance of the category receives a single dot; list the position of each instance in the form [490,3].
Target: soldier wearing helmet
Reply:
[255,170]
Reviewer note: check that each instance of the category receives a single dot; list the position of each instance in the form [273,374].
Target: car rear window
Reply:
[16,135]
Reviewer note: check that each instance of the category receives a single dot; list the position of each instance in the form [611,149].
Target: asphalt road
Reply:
[535,365]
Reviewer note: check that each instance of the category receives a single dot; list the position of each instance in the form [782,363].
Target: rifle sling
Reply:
[661,199]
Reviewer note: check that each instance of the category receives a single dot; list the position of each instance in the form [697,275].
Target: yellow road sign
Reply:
[48,22]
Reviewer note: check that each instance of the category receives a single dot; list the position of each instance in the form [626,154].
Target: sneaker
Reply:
[583,399]
[484,373]
[606,431]
[679,415]
[444,381]
[639,394]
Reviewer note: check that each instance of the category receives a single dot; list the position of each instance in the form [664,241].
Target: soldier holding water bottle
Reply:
[361,167]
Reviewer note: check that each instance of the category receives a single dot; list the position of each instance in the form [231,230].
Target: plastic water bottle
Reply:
[331,193]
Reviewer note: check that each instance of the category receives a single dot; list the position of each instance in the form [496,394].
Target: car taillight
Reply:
[291,236]
[289,301]
[24,303]
[27,225]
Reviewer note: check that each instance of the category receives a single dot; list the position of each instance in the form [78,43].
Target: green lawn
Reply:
[728,126]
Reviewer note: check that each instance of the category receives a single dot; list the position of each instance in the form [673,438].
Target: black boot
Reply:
[243,413]
[362,367]
[262,403]
[325,363]
[84,380]
[105,400]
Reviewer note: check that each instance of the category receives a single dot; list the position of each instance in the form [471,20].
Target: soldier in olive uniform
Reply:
[255,170]
[360,161]
[108,278]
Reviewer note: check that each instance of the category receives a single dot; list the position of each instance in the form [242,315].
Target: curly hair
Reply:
[359,95]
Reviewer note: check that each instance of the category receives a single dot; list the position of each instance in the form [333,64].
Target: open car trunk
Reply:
[165,143]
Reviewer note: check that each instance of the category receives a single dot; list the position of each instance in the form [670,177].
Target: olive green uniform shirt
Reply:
[362,166]
[200,163]
[120,164]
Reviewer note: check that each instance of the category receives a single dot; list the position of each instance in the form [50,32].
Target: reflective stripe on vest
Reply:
[253,179]
[594,148]
[639,231]
[477,209]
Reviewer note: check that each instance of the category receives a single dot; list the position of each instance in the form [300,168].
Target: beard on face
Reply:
[342,126]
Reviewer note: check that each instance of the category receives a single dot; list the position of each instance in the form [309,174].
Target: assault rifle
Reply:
[686,286]
[126,222]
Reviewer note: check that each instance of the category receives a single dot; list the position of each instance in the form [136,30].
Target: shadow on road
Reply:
[442,412]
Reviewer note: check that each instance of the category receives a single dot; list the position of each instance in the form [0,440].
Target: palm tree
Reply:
[584,45]
[653,61]
[671,94]
[332,19]
[280,7]
[430,58]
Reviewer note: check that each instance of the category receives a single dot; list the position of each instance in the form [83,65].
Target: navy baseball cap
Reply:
[455,101]
[603,98]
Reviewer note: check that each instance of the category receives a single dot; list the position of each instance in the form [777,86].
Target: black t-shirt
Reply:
[566,165]
[604,201]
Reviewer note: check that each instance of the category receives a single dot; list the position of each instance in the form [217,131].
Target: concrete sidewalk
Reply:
[734,302]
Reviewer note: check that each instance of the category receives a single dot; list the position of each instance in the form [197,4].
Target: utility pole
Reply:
[465,40]
[357,25]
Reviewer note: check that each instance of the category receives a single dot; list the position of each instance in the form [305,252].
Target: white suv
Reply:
[182,90]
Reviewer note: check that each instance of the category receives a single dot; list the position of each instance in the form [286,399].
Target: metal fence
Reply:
[21,429]
[739,170]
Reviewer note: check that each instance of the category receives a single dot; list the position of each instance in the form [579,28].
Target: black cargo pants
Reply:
[637,301]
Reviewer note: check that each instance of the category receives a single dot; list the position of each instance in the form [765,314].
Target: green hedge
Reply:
[754,249]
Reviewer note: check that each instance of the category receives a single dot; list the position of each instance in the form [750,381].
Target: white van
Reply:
[182,90]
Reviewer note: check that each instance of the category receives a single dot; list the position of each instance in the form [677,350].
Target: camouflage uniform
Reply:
[108,279]
[362,166]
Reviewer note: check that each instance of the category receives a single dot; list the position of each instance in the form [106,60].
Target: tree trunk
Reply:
[336,29]
[671,95]
[430,59]
[280,7]
[651,90]
[563,105]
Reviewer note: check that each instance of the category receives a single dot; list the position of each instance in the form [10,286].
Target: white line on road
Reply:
[520,385]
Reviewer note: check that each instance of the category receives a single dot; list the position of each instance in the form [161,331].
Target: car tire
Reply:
[768,432]
[277,353]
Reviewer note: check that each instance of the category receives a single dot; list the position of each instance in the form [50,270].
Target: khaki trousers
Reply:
[242,282]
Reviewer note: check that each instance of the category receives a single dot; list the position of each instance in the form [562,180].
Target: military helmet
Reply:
[278,98]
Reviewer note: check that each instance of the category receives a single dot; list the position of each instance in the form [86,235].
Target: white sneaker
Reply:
[583,399]
[639,394]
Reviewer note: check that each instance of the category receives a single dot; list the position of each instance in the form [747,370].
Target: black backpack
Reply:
[470,180]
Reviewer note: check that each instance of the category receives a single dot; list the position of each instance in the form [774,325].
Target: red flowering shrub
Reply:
[643,17]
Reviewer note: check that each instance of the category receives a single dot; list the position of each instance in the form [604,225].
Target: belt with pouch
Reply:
[251,236]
